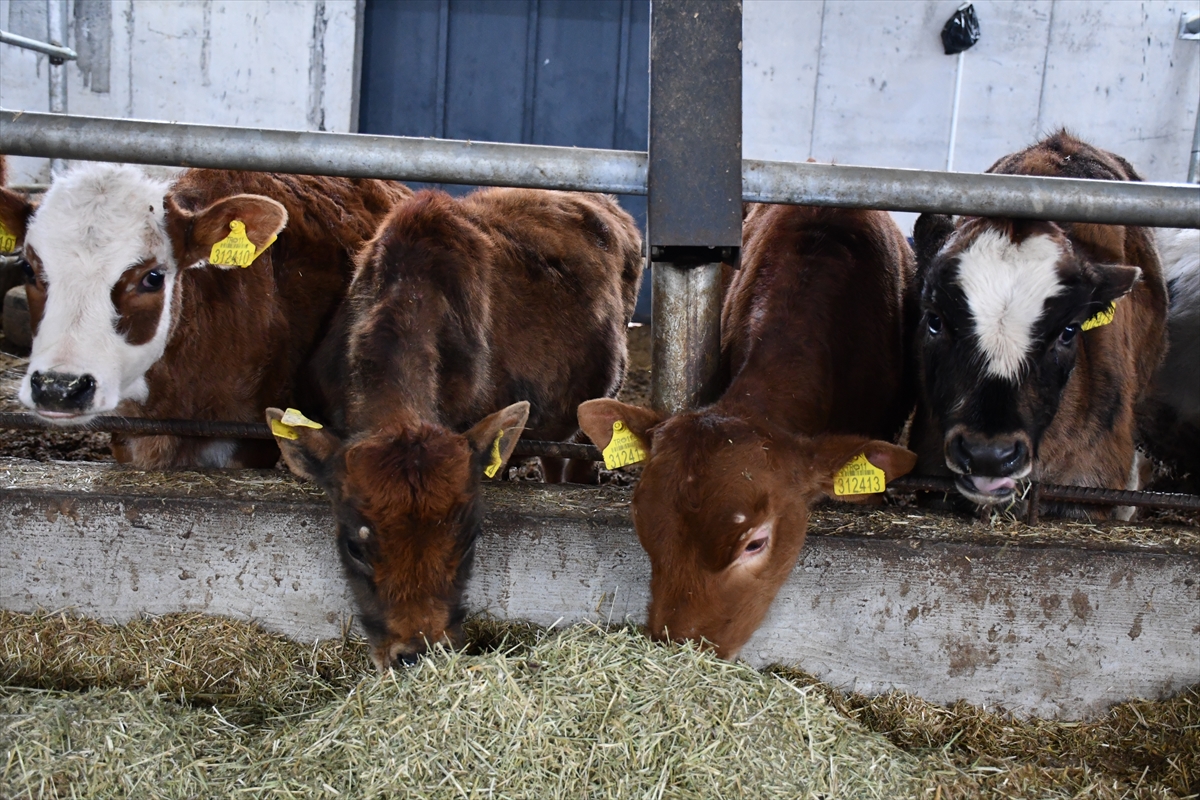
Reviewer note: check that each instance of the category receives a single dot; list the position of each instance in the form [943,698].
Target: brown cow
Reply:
[812,329]
[1037,339]
[130,314]
[509,299]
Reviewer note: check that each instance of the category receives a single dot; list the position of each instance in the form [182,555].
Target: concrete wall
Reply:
[266,63]
[851,81]
[1113,71]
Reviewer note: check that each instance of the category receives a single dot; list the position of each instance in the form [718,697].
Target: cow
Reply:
[1169,416]
[134,312]
[468,321]
[1036,340]
[812,337]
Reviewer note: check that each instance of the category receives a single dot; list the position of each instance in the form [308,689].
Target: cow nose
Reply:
[62,391]
[407,659]
[994,457]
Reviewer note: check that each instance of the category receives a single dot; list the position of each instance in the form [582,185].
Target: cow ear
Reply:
[496,435]
[831,453]
[194,234]
[929,234]
[596,419]
[1113,281]
[15,212]
[311,454]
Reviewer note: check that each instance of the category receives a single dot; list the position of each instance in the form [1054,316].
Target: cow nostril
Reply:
[959,455]
[407,659]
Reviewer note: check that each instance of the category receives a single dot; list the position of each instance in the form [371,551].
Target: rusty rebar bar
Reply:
[586,452]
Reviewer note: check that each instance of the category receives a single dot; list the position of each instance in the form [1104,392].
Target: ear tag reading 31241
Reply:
[8,240]
[624,449]
[236,249]
[1100,318]
[494,465]
[285,428]
[859,476]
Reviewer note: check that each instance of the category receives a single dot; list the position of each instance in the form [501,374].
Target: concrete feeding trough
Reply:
[1058,624]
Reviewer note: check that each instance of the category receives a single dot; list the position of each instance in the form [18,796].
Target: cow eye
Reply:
[1068,335]
[934,322]
[152,281]
[27,269]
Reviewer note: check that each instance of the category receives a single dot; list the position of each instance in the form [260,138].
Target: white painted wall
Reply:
[265,63]
[1114,71]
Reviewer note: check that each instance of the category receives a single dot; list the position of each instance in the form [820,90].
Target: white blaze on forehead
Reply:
[1006,287]
[96,221]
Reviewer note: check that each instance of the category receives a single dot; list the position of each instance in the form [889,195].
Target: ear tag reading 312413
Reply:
[624,449]
[494,465]
[859,476]
[1100,318]
[236,249]
[285,428]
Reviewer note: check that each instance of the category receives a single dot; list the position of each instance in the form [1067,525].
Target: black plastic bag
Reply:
[961,31]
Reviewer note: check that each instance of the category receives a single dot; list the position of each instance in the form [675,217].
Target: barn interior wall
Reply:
[847,81]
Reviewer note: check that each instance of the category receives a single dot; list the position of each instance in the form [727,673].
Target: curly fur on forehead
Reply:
[405,477]
[100,218]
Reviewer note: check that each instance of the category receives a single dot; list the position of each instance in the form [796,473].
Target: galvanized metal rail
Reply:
[586,452]
[28,133]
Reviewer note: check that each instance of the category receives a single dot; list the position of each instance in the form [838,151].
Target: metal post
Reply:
[695,190]
[56,18]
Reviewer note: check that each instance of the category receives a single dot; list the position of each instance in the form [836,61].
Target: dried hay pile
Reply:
[192,706]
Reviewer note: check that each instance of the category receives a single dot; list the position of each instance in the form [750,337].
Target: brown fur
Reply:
[258,324]
[813,330]
[1091,439]
[509,298]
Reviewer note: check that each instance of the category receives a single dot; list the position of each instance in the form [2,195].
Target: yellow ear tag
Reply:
[624,449]
[8,240]
[285,428]
[236,249]
[1101,318]
[492,468]
[859,476]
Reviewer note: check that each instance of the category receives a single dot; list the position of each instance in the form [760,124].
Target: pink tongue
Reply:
[993,485]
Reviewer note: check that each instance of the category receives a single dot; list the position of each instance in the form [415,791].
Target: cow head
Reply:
[105,251]
[406,501]
[1003,306]
[722,509]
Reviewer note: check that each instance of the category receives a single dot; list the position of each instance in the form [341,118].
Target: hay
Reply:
[583,712]
[192,706]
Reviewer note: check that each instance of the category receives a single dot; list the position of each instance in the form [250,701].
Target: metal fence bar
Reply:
[52,50]
[1061,199]
[346,154]
[616,171]
[526,448]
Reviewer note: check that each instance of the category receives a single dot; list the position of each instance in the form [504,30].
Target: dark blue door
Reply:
[558,72]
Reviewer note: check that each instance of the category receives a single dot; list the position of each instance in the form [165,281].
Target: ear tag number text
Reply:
[624,449]
[236,249]
[859,476]
[8,240]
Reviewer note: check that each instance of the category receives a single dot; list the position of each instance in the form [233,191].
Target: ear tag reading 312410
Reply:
[8,240]
[285,428]
[859,476]
[494,465]
[236,249]
[624,449]
[1100,318]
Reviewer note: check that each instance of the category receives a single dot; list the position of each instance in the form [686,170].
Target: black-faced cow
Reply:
[137,309]
[1037,339]
[813,332]
[466,322]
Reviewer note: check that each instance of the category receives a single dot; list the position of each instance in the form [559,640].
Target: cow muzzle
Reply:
[61,394]
[988,467]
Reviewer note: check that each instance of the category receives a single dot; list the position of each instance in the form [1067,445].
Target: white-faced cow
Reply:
[131,315]
[1037,339]
[812,333]
[466,322]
